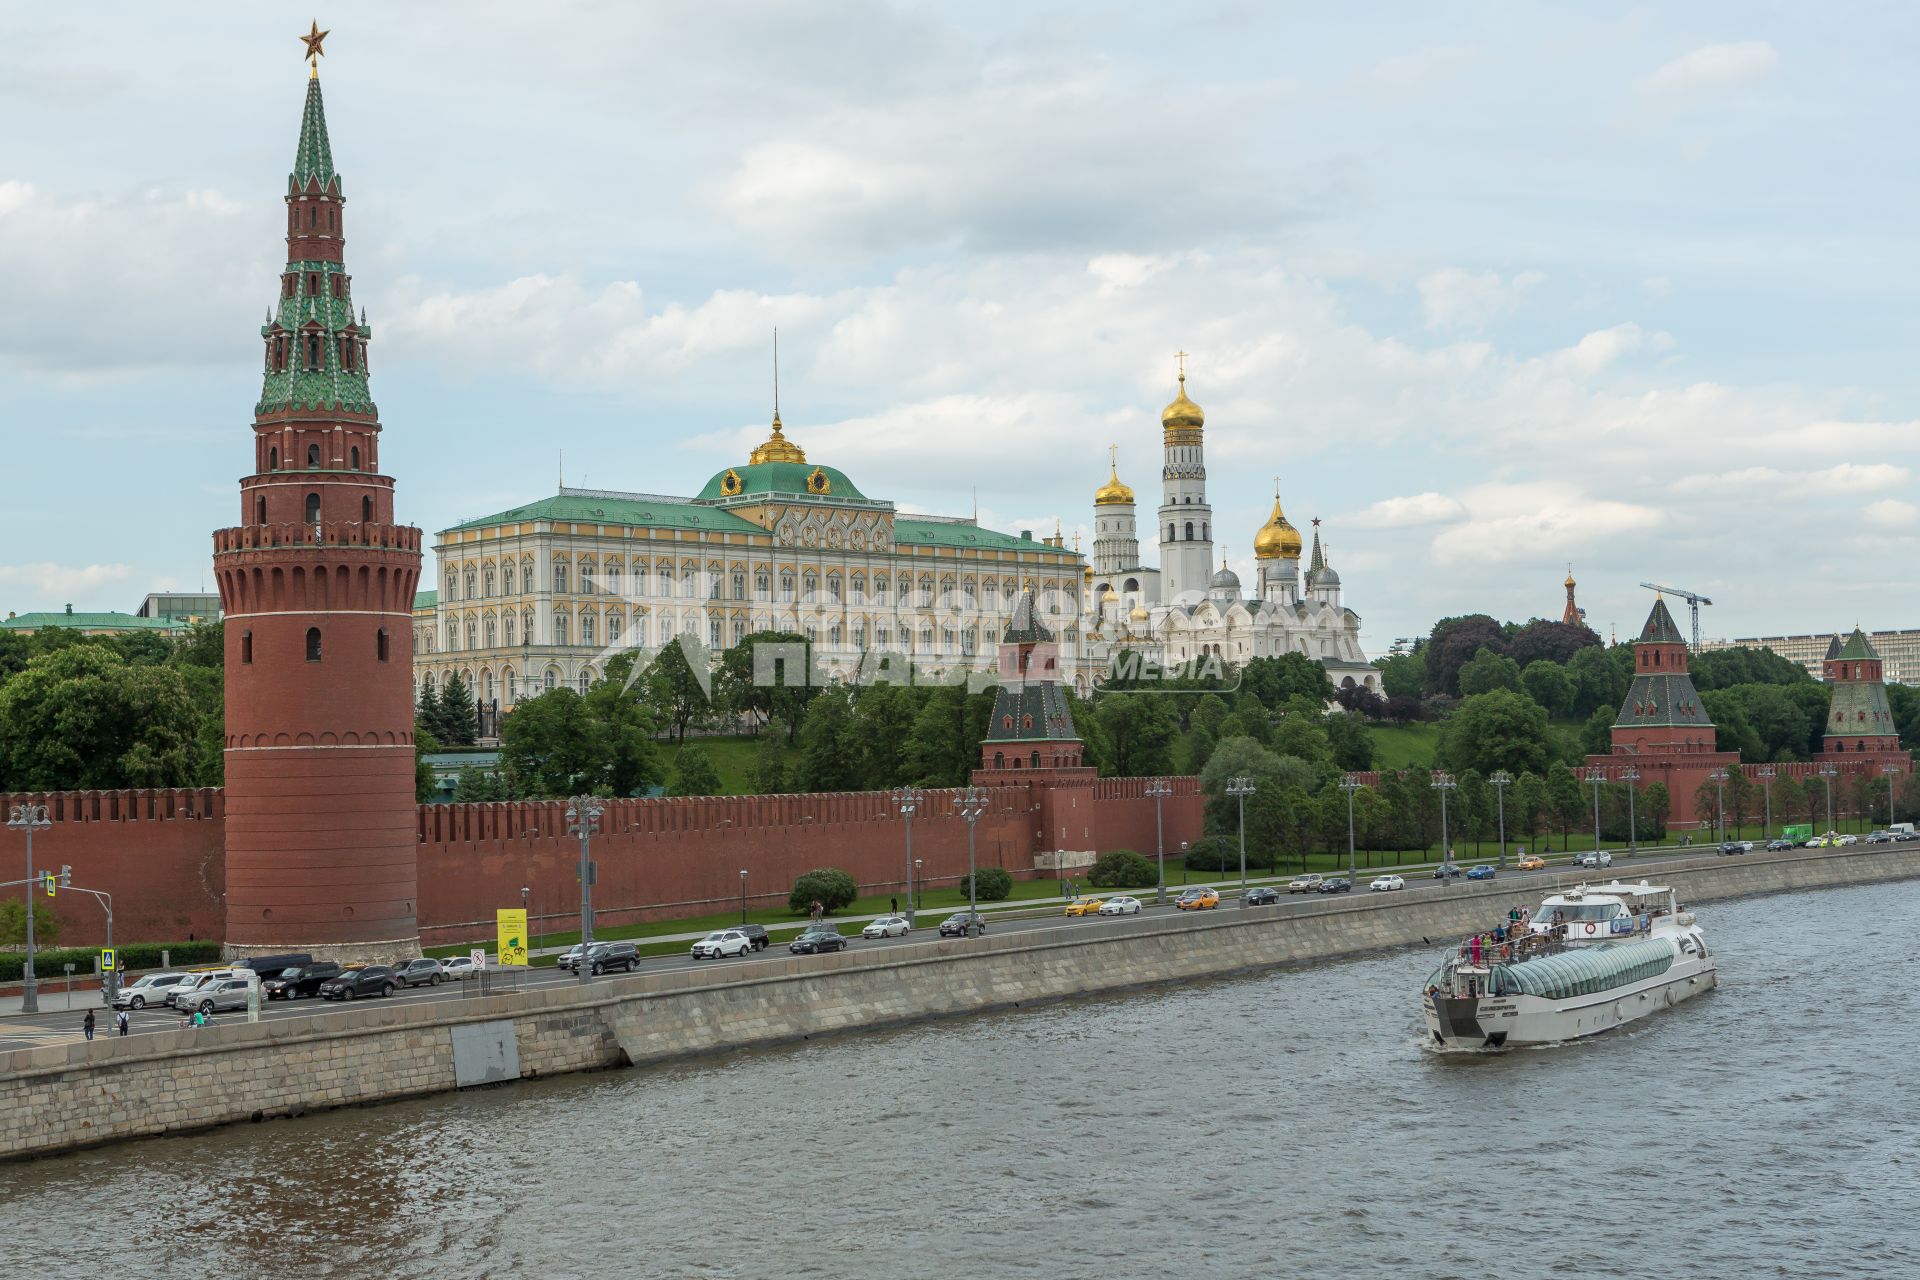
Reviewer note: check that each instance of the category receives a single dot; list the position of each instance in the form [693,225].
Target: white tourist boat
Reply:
[1591,959]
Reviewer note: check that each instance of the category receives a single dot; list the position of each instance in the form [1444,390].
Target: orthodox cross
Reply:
[1181,358]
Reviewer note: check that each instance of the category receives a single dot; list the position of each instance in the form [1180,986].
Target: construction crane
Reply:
[1694,600]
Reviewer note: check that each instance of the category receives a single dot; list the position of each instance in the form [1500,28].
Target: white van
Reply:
[149,988]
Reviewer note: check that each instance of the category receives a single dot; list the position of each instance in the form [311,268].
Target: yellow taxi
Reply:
[1198,900]
[1533,862]
[1084,906]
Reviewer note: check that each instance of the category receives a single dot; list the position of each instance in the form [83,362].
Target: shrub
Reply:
[1222,853]
[829,886]
[996,884]
[48,962]
[1123,869]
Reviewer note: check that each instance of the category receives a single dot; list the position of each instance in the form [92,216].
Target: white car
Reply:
[1120,906]
[1386,884]
[457,967]
[176,995]
[149,989]
[722,942]
[1592,859]
[887,927]
[1848,840]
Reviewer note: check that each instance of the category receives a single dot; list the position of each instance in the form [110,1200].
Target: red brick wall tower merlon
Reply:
[317,581]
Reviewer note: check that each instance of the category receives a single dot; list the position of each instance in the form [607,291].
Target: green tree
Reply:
[1597,681]
[674,690]
[1548,684]
[478,786]
[941,750]
[1488,671]
[80,718]
[204,645]
[13,924]
[1596,735]
[1453,644]
[1123,869]
[1497,730]
[1248,722]
[768,773]
[995,885]
[883,717]
[1274,680]
[1656,806]
[458,724]
[1350,739]
[1208,712]
[1404,675]
[1200,745]
[693,773]
[424,745]
[1564,802]
[785,697]
[831,887]
[829,752]
[426,713]
[1527,805]
[629,723]
[1140,730]
[553,746]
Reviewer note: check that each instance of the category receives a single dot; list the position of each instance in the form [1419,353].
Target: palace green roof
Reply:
[781,477]
[110,621]
[633,512]
[946,533]
[425,599]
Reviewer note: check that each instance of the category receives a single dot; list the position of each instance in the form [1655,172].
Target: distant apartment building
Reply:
[176,606]
[1900,650]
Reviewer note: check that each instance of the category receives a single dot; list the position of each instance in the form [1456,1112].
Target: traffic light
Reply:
[66,876]
[51,880]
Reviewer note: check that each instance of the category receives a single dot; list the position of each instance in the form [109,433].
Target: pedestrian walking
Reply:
[88,1024]
[123,1021]
[817,909]
[896,905]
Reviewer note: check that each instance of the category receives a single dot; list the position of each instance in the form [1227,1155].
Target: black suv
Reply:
[1340,884]
[605,957]
[963,924]
[305,980]
[817,938]
[1264,896]
[757,934]
[374,980]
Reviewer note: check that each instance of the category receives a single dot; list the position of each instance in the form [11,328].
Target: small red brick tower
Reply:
[1031,740]
[1859,718]
[317,582]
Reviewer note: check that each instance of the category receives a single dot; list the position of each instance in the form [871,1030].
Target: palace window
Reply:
[560,628]
[506,577]
[762,586]
[616,576]
[471,594]
[926,592]
[586,681]
[640,632]
[969,641]
[880,590]
[507,624]
[786,587]
[713,632]
[313,644]
[616,627]
[809,589]
[586,628]
[946,640]
[857,588]
[487,577]
[490,633]
[473,634]
[833,588]
[882,637]
[926,639]
[666,579]
[834,635]
[560,577]
[739,630]
[739,584]
[690,580]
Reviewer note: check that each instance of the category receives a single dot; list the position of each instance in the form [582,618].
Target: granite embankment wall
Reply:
[80,1094]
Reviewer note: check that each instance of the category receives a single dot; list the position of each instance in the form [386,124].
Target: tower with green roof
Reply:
[317,582]
[1662,712]
[1859,719]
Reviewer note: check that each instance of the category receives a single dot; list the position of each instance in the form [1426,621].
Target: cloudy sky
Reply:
[1488,287]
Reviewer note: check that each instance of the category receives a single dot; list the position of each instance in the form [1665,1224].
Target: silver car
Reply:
[147,989]
[189,983]
[218,996]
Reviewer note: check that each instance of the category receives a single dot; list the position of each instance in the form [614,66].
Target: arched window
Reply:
[489,687]
[473,634]
[615,577]
[690,580]
[471,593]
[666,578]
[880,589]
[507,623]
[526,629]
[616,627]
[560,628]
[355,455]
[313,351]
[313,644]
[586,577]
[273,458]
[1036,759]
[366,510]
[739,584]
[1189,531]
[313,455]
[383,646]
[486,578]
[586,628]
[1205,536]
[1171,536]
[313,508]
[833,588]
[560,577]
[259,510]
[762,585]
[786,586]
[809,588]
[553,677]
[506,580]
[246,646]
[490,631]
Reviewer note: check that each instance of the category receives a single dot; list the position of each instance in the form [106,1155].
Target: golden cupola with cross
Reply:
[1277,539]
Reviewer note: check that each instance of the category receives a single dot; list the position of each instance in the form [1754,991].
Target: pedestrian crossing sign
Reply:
[52,882]
[108,960]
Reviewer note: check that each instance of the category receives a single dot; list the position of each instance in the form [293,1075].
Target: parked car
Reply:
[1084,905]
[460,968]
[605,957]
[1848,840]
[1731,846]
[1481,872]
[1880,837]
[1123,905]
[1779,846]
[266,965]
[1533,862]
[1202,899]
[302,980]
[1386,884]
[756,934]
[722,943]
[963,924]
[817,938]
[887,927]
[1337,884]
[1819,842]
[571,956]
[1264,896]
[148,988]
[424,972]
[1304,884]
[1446,871]
[1593,859]
[220,995]
[368,980]
[180,992]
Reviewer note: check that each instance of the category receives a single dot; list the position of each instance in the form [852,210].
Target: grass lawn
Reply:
[732,756]
[1409,746]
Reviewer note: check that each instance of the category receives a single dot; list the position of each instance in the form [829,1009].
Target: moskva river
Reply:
[1289,1124]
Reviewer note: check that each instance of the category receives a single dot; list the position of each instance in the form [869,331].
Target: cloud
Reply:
[1456,299]
[66,583]
[1413,75]
[1710,69]
[1411,510]
[1891,513]
[1839,480]
[1520,522]
[1599,349]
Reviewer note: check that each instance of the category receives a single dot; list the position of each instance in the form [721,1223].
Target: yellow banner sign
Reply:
[513,936]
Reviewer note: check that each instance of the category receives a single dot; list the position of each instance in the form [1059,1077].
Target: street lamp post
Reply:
[907,801]
[1828,772]
[29,818]
[1596,776]
[1350,783]
[1240,789]
[743,895]
[973,803]
[1766,773]
[1890,770]
[1443,783]
[1500,781]
[919,879]
[583,820]
[1719,777]
[1159,789]
[1183,862]
[110,979]
[1631,776]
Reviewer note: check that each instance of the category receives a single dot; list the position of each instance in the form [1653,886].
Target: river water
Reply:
[1285,1124]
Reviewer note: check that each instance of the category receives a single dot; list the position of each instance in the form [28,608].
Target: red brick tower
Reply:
[317,582]
[1859,718]
[1031,740]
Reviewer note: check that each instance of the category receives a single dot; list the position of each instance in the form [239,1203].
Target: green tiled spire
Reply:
[1857,649]
[1319,560]
[314,158]
[1660,628]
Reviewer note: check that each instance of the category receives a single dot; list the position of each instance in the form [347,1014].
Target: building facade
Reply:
[1188,609]
[317,583]
[544,595]
[1899,651]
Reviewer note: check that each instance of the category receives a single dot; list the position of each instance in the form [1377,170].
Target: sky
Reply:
[1489,288]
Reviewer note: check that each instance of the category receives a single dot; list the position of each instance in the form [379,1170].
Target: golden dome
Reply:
[1569,582]
[1109,594]
[777,448]
[1086,571]
[1139,613]
[1114,493]
[1277,539]
[1182,414]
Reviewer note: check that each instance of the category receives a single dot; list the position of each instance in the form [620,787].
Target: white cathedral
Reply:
[1188,609]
